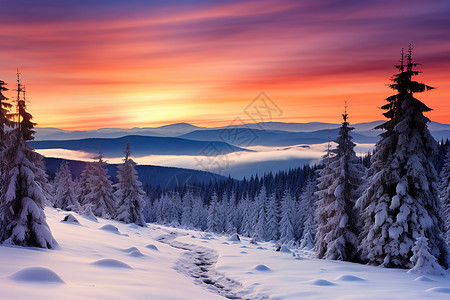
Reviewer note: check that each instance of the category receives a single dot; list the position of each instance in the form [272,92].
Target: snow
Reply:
[112,263]
[95,264]
[36,274]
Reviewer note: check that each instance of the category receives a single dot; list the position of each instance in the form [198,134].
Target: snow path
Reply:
[198,262]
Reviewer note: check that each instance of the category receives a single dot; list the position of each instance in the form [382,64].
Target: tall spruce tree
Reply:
[129,194]
[340,229]
[84,188]
[213,222]
[308,206]
[402,198]
[65,195]
[287,234]
[23,199]
[273,218]
[325,197]
[445,194]
[101,198]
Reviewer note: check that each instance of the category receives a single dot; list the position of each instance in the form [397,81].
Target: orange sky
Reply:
[93,64]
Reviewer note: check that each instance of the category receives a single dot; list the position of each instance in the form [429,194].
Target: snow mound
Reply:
[285,249]
[261,268]
[349,278]
[234,238]
[152,247]
[131,249]
[321,282]
[243,252]
[110,228]
[36,274]
[112,263]
[225,243]
[261,248]
[70,219]
[133,252]
[136,253]
[424,278]
[438,289]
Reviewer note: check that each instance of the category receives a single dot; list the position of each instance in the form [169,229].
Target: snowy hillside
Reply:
[93,260]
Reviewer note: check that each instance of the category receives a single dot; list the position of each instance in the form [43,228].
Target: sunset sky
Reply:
[89,64]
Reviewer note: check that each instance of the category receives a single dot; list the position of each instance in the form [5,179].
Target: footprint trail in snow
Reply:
[198,262]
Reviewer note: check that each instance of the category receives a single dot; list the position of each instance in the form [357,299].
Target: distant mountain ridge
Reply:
[180,129]
[140,145]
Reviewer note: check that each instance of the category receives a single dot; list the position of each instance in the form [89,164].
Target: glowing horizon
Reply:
[98,64]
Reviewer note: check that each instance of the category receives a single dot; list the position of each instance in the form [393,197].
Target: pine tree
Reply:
[325,197]
[186,214]
[261,213]
[341,237]
[65,195]
[445,194]
[101,197]
[308,202]
[248,217]
[23,200]
[84,188]
[402,197]
[423,261]
[229,215]
[213,222]
[198,214]
[174,209]
[129,194]
[273,218]
[287,235]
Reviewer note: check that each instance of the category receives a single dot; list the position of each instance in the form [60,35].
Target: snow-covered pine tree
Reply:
[273,218]
[198,214]
[424,262]
[287,235]
[64,196]
[308,204]
[230,212]
[129,194]
[213,222]
[342,238]
[325,197]
[248,217]
[260,229]
[101,197]
[401,200]
[23,200]
[186,214]
[445,194]
[174,209]
[84,188]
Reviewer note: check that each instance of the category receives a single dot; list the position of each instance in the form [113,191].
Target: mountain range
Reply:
[141,146]
[285,145]
[179,138]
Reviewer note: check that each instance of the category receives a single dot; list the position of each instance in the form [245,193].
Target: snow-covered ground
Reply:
[94,261]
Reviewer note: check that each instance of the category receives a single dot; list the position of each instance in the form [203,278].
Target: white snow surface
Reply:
[94,264]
